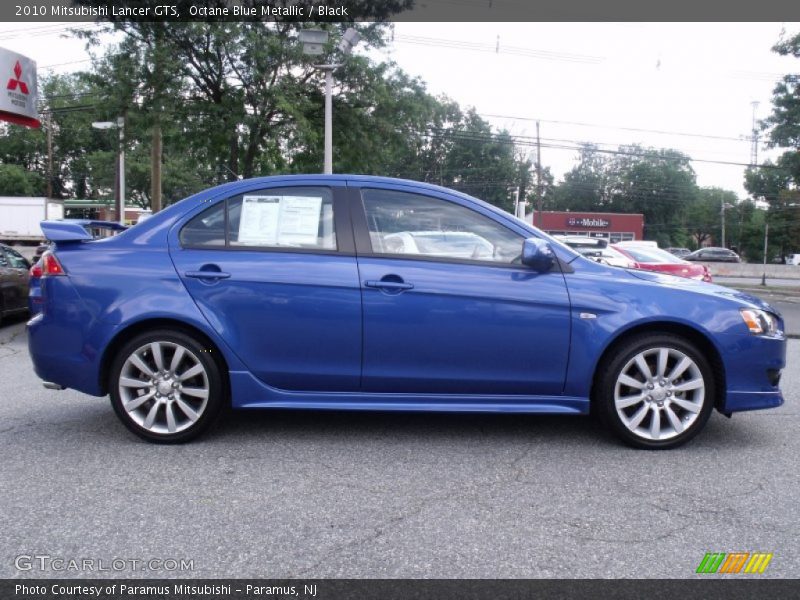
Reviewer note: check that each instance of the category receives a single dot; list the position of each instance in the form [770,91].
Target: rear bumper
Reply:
[60,340]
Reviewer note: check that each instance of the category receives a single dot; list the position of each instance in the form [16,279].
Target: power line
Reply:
[498,48]
[72,62]
[619,127]
[578,145]
[42,31]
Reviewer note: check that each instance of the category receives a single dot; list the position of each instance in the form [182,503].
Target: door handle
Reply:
[388,285]
[207,274]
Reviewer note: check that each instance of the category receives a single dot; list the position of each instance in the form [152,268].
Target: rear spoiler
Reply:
[75,230]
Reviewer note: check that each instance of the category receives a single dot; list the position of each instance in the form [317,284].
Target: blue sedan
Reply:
[367,293]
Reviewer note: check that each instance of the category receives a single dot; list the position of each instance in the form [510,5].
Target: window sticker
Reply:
[298,223]
[258,225]
[279,220]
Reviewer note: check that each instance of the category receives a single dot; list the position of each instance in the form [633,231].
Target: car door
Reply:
[274,272]
[454,317]
[16,289]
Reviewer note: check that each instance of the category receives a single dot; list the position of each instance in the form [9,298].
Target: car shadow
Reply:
[14,319]
[578,431]
[369,424]
[95,423]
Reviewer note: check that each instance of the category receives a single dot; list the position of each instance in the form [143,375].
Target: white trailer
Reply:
[20,217]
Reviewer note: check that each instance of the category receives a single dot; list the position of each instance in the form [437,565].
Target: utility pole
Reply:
[766,238]
[539,176]
[156,148]
[722,212]
[754,147]
[155,170]
[50,154]
[121,202]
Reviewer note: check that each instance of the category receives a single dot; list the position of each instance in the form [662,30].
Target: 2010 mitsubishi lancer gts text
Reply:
[368,293]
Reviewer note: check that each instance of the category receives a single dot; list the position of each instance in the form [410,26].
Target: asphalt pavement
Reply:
[315,494]
[791,316]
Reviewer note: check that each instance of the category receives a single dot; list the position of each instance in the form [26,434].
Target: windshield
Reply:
[655,256]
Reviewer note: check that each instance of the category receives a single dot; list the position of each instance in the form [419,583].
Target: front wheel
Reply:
[656,391]
[166,387]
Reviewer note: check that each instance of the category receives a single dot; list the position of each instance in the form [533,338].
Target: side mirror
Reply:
[537,254]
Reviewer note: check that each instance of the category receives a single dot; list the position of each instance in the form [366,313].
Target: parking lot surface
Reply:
[316,494]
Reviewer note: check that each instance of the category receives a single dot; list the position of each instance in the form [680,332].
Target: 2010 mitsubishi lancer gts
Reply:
[367,293]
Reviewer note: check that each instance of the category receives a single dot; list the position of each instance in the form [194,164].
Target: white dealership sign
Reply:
[18,89]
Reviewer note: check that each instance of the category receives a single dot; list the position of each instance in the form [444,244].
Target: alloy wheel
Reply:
[164,387]
[659,393]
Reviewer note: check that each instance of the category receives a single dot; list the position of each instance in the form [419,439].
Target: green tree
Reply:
[16,181]
[703,216]
[659,183]
[585,186]
[772,183]
[777,183]
[784,122]
[748,234]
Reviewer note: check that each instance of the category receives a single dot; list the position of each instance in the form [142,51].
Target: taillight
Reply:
[36,270]
[50,265]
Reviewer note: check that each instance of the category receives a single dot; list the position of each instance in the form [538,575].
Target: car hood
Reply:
[710,289]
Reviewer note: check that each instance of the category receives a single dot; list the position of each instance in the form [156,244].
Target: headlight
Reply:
[760,322]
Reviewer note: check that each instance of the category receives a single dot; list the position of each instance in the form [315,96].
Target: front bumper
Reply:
[751,363]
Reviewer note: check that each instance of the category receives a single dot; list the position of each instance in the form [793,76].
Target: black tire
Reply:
[191,415]
[634,423]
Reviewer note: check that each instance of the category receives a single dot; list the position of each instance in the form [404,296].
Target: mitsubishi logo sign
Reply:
[18,99]
[16,80]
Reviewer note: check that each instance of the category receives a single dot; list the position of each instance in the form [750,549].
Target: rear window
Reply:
[654,256]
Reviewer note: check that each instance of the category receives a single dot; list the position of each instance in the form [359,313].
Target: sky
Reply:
[687,86]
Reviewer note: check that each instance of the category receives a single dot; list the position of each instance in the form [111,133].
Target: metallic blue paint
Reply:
[304,330]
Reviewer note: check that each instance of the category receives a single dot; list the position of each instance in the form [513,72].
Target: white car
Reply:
[455,244]
[597,249]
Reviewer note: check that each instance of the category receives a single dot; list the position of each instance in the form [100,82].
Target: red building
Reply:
[614,227]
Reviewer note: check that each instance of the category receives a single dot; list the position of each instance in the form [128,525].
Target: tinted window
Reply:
[15,259]
[206,229]
[404,223]
[274,218]
[654,256]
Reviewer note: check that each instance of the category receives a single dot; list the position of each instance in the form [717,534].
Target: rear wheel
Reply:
[166,386]
[656,392]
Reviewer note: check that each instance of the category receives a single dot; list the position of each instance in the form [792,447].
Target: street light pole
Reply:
[120,196]
[313,41]
[722,213]
[328,168]
[121,128]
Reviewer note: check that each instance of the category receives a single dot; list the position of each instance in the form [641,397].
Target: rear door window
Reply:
[301,218]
